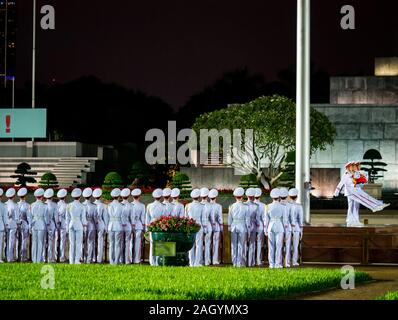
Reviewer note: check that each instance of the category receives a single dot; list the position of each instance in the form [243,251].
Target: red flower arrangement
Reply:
[174,225]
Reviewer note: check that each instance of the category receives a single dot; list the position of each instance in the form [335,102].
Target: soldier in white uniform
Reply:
[207,225]
[154,211]
[275,226]
[76,221]
[217,224]
[297,224]
[177,207]
[12,218]
[115,227]
[138,218]
[127,254]
[23,225]
[166,201]
[52,224]
[195,210]
[101,223]
[252,231]
[238,224]
[284,193]
[89,236]
[260,220]
[38,220]
[3,213]
[62,226]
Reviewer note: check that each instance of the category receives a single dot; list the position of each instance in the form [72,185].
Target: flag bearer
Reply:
[178,208]
[38,220]
[101,223]
[207,227]
[239,223]
[77,222]
[297,224]
[115,227]
[194,210]
[127,254]
[23,229]
[138,218]
[275,226]
[3,213]
[260,226]
[12,217]
[217,224]
[252,231]
[154,211]
[62,226]
[91,230]
[52,224]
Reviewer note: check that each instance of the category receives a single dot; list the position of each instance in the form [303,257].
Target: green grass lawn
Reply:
[389,296]
[23,281]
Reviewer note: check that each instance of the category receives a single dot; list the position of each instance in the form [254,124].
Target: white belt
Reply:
[276,219]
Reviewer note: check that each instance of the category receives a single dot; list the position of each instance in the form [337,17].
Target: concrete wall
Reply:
[364,90]
[47,149]
[220,178]
[360,128]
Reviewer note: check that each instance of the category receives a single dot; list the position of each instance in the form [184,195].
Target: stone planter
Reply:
[373,189]
[184,243]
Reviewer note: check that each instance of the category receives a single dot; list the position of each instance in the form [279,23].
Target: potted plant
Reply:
[374,170]
[174,230]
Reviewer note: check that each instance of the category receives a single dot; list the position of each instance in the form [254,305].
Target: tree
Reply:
[288,170]
[181,181]
[48,180]
[138,175]
[24,175]
[112,180]
[373,168]
[273,121]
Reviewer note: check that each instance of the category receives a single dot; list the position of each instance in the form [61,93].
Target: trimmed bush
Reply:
[112,180]
[24,175]
[182,182]
[48,180]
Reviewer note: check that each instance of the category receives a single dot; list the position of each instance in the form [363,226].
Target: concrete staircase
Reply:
[69,171]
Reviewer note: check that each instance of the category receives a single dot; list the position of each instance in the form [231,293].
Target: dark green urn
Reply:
[183,243]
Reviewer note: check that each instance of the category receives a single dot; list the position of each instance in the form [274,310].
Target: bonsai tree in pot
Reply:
[181,231]
[24,175]
[374,167]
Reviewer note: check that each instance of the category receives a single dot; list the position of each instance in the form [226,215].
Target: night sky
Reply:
[173,49]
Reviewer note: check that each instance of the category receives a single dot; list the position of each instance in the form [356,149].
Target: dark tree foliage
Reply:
[24,175]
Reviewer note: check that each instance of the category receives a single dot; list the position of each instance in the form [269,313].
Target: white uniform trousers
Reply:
[38,238]
[296,244]
[51,240]
[288,248]
[75,246]
[275,246]
[196,253]
[90,253]
[11,241]
[2,237]
[24,236]
[216,245]
[137,246]
[238,248]
[259,248]
[251,261]
[353,211]
[63,240]
[127,247]
[100,246]
[115,246]
[366,200]
[208,238]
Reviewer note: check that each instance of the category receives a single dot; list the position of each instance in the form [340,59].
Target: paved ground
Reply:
[385,279]
[339,216]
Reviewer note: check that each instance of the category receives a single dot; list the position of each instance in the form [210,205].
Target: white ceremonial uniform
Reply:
[90,231]
[288,232]
[275,226]
[115,231]
[154,211]
[3,212]
[12,218]
[260,220]
[38,220]
[363,198]
[252,233]
[127,254]
[195,210]
[168,208]
[101,224]
[51,229]
[297,220]
[239,223]
[217,228]
[138,218]
[207,231]
[177,209]
[76,221]
[23,229]
[62,229]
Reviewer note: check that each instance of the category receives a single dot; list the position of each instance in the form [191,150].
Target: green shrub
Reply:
[182,182]
[249,181]
[48,180]
[112,180]
[24,175]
